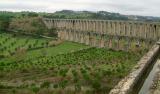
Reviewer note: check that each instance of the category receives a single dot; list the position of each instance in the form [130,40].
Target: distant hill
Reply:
[69,14]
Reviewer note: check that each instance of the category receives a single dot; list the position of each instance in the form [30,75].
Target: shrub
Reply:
[96,84]
[63,84]
[35,89]
[45,84]
[77,87]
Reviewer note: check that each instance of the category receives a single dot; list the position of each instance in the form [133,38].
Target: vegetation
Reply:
[64,67]
[31,63]
[69,14]
[4,21]
[30,25]
[25,23]
[12,43]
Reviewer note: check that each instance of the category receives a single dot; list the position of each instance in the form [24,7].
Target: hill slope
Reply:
[69,14]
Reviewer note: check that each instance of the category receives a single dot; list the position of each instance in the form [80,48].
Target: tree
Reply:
[32,14]
[45,84]
[4,22]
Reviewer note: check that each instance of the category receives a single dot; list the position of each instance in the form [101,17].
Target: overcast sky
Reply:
[135,7]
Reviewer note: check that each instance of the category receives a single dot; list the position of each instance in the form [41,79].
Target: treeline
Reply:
[24,22]
[69,14]
[5,19]
[102,15]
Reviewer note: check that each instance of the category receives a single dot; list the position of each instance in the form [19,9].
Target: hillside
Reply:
[69,14]
[30,25]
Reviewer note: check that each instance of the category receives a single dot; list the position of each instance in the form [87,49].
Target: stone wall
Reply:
[126,85]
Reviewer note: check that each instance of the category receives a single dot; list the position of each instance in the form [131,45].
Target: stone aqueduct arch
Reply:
[121,35]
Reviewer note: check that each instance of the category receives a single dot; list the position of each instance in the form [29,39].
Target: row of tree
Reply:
[24,22]
[4,22]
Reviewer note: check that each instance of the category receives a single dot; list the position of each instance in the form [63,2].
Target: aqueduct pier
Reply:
[121,35]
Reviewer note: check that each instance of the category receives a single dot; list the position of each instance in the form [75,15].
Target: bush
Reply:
[35,89]
[96,85]
[77,87]
[45,84]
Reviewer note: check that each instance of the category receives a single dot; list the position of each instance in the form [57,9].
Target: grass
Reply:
[63,48]
[67,67]
[10,43]
[90,68]
[14,43]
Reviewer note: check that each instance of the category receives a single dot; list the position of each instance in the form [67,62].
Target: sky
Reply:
[128,7]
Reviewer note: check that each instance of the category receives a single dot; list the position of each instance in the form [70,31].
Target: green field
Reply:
[9,43]
[31,67]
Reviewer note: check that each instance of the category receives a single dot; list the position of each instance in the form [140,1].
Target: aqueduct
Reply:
[121,35]
[117,35]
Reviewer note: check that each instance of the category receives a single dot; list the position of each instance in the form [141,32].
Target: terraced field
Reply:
[30,65]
